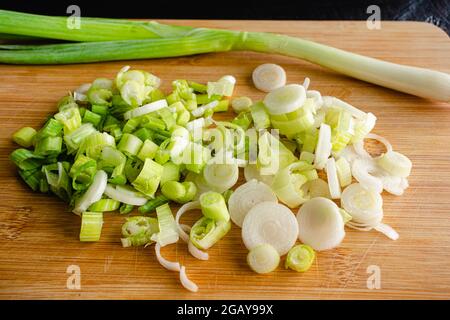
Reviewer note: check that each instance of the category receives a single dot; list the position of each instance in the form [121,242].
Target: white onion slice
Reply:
[169,265]
[333,181]
[124,196]
[387,230]
[221,177]
[251,172]
[323,148]
[183,209]
[394,185]
[395,163]
[362,170]
[188,284]
[271,223]
[193,250]
[381,139]
[246,197]
[361,152]
[93,193]
[364,205]
[268,77]
[197,253]
[147,108]
[285,99]
[320,224]
[359,145]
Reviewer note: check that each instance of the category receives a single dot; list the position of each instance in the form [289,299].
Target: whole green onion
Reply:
[125,40]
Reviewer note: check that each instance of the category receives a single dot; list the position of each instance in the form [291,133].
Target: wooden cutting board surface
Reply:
[39,236]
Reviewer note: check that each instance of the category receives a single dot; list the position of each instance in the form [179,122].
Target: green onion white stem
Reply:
[271,223]
[320,224]
[169,265]
[263,258]
[268,77]
[246,196]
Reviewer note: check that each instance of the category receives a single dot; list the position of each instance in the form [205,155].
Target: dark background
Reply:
[433,11]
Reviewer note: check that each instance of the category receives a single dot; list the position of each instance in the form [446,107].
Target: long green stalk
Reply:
[153,40]
[91,29]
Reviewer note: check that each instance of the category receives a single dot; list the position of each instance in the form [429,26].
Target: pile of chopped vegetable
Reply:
[118,144]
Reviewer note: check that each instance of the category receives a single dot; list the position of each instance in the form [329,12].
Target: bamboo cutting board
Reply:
[39,236]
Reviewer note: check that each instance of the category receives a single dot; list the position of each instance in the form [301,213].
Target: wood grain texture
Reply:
[39,236]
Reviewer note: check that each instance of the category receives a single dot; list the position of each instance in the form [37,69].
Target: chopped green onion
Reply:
[344,172]
[300,258]
[227,194]
[70,118]
[246,196]
[171,172]
[145,109]
[306,156]
[320,224]
[268,77]
[143,134]
[260,116]
[93,193]
[221,177]
[129,144]
[167,227]
[243,120]
[206,232]
[396,164]
[131,125]
[222,106]
[75,139]
[138,231]
[32,178]
[24,136]
[213,206]
[263,258]
[92,117]
[309,141]
[96,142]
[271,223]
[323,147]
[26,159]
[91,226]
[333,180]
[272,154]
[148,179]
[152,204]
[168,117]
[48,146]
[103,205]
[100,110]
[52,128]
[125,194]
[241,104]
[126,208]
[82,173]
[223,87]
[198,87]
